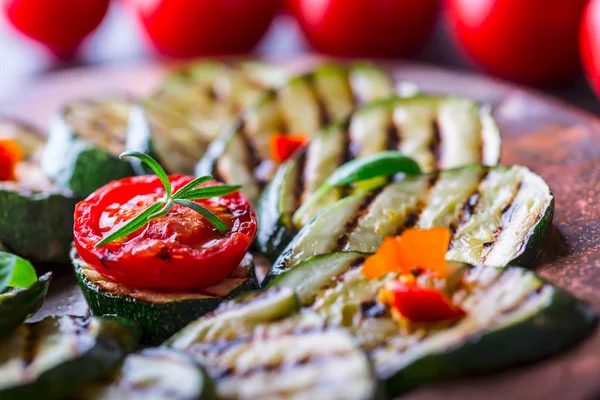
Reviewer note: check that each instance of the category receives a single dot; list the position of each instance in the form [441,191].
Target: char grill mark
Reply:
[353,221]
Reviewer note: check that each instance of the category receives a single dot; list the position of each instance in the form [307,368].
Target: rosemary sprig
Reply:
[184,197]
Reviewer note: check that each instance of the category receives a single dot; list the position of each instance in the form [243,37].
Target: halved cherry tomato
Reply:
[283,146]
[419,304]
[180,251]
[10,155]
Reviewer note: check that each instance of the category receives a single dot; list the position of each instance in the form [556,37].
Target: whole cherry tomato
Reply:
[533,41]
[60,25]
[183,28]
[178,251]
[378,28]
[590,44]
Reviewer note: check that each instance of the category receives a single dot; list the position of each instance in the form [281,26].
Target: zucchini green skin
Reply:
[77,164]
[328,232]
[560,322]
[158,373]
[561,325]
[19,304]
[37,225]
[359,136]
[158,321]
[112,339]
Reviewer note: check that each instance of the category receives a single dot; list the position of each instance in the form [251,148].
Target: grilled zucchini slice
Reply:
[36,216]
[250,353]
[439,132]
[159,313]
[498,216]
[507,308]
[157,374]
[195,104]
[17,304]
[85,140]
[58,355]
[304,105]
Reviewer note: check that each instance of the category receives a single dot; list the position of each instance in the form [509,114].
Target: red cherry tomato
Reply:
[60,25]
[180,251]
[183,28]
[377,28]
[533,41]
[590,44]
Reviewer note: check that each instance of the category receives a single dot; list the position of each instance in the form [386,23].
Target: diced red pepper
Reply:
[10,155]
[283,146]
[423,249]
[419,304]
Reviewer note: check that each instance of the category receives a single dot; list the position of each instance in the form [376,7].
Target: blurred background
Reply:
[538,43]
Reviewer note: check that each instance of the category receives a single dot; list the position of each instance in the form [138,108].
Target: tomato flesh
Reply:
[179,251]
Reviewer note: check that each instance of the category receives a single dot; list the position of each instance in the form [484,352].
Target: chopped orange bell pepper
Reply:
[415,249]
[10,155]
[283,146]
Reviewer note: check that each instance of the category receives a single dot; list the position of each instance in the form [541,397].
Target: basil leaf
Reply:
[205,212]
[382,164]
[192,185]
[158,170]
[210,191]
[131,226]
[15,272]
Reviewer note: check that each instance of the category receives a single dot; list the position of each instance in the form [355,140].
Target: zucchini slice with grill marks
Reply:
[439,132]
[497,215]
[36,216]
[159,313]
[58,355]
[17,304]
[251,353]
[157,374]
[507,308]
[304,105]
[84,143]
[192,108]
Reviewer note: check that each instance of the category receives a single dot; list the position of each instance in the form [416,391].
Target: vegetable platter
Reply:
[354,196]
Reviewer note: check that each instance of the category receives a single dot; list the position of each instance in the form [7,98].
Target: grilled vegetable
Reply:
[51,358]
[192,108]
[303,106]
[85,140]
[159,313]
[36,217]
[155,374]
[497,215]
[437,132]
[18,304]
[507,308]
[250,354]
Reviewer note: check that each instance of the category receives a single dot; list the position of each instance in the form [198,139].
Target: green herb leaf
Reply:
[210,191]
[192,185]
[205,212]
[164,211]
[15,272]
[158,170]
[133,225]
[386,163]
